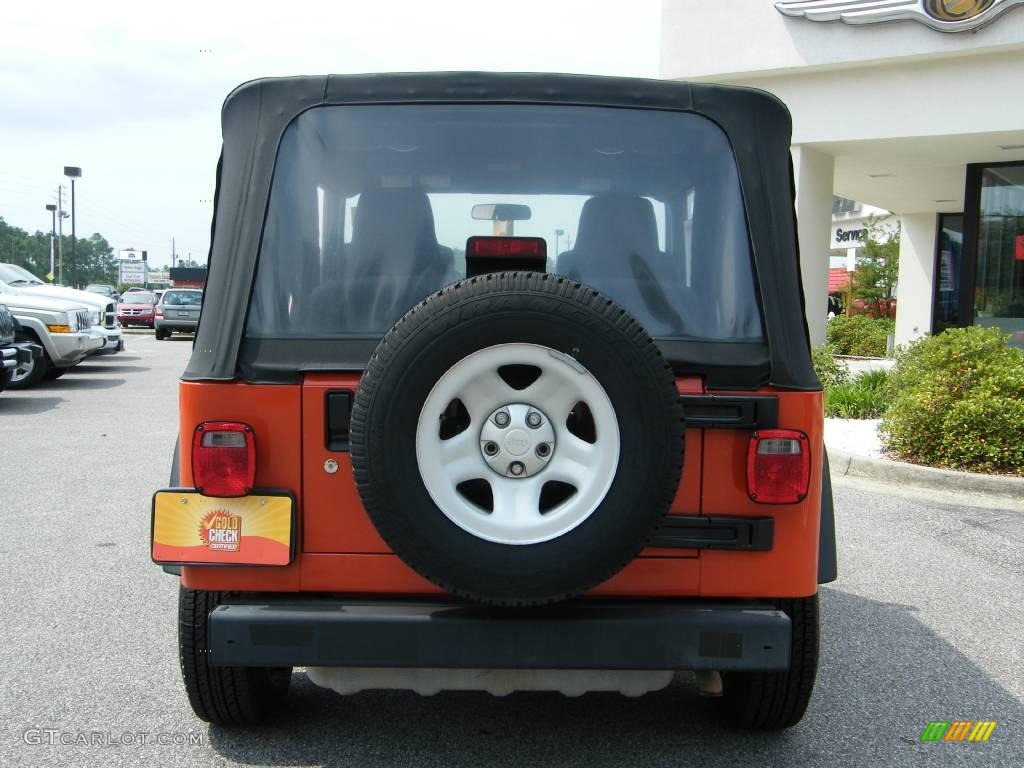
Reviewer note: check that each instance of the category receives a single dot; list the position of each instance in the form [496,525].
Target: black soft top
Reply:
[256,114]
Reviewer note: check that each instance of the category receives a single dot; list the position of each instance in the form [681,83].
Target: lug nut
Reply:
[533,419]
[502,419]
[543,450]
[516,468]
[491,448]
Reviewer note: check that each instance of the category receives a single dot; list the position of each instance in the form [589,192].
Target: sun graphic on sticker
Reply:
[220,530]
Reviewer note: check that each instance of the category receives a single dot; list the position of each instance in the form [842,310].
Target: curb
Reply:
[853,465]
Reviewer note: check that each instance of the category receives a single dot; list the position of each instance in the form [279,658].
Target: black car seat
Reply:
[616,252]
[393,261]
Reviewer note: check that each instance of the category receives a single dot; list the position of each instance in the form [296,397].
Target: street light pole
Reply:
[73,172]
[52,208]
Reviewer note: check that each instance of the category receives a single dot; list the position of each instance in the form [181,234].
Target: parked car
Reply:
[14,354]
[178,310]
[136,308]
[103,290]
[16,279]
[402,469]
[60,327]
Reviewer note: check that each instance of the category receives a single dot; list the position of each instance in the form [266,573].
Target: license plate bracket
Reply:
[189,528]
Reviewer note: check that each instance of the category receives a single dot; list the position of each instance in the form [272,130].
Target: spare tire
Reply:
[517,438]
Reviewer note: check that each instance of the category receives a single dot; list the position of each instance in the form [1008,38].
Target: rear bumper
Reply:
[663,635]
[175,324]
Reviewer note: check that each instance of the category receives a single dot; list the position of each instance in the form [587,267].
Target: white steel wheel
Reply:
[517,444]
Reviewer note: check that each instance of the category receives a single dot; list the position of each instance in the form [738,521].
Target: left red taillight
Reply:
[223,458]
[778,466]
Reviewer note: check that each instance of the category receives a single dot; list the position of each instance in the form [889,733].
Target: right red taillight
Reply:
[223,458]
[778,466]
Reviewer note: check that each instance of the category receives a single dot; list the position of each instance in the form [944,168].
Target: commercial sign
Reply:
[943,15]
[130,254]
[132,272]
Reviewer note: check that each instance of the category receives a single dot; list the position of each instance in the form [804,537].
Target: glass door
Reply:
[948,259]
[999,274]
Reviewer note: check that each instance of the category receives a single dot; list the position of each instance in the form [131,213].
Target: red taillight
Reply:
[778,466]
[506,247]
[223,458]
[158,312]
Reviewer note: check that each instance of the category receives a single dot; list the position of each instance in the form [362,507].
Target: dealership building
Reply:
[908,106]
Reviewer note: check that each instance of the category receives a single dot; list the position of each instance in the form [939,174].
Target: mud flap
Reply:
[827,561]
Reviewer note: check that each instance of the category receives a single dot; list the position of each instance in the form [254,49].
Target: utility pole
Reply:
[52,208]
[174,254]
[60,240]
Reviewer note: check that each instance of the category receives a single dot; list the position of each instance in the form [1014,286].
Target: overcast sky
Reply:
[126,90]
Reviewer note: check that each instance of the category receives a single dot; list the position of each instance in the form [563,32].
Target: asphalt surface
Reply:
[924,624]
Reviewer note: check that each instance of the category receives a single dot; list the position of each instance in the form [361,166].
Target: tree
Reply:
[874,282]
[94,256]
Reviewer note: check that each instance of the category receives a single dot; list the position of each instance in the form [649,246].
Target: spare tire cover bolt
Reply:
[491,449]
[533,419]
[543,450]
[516,468]
[502,419]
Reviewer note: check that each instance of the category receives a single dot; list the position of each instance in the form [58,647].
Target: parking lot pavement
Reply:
[924,624]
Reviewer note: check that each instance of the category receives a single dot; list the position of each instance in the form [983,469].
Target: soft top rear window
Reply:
[371,208]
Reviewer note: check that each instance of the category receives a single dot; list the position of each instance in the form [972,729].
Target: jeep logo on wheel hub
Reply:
[517,442]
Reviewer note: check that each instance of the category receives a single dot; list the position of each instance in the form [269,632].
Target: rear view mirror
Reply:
[501,212]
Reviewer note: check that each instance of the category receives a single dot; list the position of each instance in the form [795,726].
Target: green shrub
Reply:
[991,427]
[957,402]
[859,335]
[865,397]
[831,373]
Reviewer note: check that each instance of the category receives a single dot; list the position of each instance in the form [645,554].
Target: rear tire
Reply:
[771,701]
[227,696]
[161,334]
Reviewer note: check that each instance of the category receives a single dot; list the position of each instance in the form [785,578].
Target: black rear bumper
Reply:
[672,635]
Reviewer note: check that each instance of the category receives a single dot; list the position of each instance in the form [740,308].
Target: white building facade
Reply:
[896,114]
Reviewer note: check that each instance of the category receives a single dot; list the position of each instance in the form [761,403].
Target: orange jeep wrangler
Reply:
[502,382]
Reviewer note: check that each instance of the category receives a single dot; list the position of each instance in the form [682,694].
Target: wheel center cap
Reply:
[517,442]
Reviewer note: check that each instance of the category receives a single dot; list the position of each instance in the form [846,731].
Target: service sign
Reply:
[189,528]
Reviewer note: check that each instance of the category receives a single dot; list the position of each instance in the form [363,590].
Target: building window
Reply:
[999,273]
[842,205]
